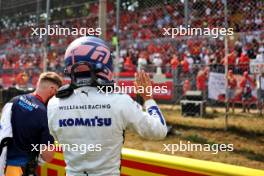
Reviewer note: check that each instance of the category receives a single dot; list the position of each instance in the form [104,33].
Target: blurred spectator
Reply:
[157,61]
[185,66]
[231,92]
[231,59]
[201,81]
[22,80]
[186,86]
[260,55]
[120,63]
[20,51]
[142,63]
[174,62]
[243,63]
[247,84]
[128,64]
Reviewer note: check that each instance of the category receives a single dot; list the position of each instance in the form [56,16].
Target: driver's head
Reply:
[88,56]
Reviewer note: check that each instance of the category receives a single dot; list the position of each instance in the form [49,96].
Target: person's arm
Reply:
[46,139]
[51,115]
[5,120]
[5,133]
[150,124]
[47,155]
[242,83]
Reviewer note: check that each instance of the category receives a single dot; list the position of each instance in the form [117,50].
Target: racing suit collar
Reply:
[87,88]
[38,97]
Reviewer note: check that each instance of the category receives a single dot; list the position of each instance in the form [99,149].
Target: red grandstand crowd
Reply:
[142,42]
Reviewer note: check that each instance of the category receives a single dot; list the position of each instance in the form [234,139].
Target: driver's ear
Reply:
[52,90]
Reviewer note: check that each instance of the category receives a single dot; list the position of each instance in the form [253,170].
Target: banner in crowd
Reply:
[216,85]
[217,88]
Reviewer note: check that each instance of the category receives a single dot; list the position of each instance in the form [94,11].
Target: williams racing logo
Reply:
[89,122]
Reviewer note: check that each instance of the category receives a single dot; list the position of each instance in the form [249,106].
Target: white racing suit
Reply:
[5,131]
[98,121]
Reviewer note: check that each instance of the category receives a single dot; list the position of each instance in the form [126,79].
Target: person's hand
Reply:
[143,84]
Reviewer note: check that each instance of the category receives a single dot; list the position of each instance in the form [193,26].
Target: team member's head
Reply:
[88,61]
[47,85]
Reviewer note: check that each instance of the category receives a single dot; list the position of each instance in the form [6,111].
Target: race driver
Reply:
[24,122]
[81,115]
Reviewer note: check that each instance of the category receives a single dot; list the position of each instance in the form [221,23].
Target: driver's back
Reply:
[90,126]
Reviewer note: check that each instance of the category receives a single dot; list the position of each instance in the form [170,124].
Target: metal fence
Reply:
[194,59]
[135,30]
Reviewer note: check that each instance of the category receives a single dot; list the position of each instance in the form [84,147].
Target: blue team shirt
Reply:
[30,126]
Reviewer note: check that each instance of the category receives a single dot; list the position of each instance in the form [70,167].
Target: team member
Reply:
[83,116]
[24,119]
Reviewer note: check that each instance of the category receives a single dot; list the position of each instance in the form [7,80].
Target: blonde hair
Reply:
[51,77]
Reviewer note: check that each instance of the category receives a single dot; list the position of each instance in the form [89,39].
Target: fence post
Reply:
[102,17]
[226,67]
[37,11]
[186,13]
[117,38]
[46,37]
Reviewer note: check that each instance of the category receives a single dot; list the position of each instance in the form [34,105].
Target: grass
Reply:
[215,119]
[198,139]
[245,132]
